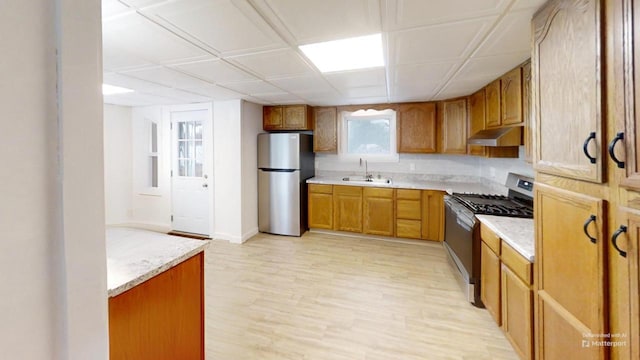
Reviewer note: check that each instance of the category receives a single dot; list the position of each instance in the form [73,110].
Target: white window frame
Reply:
[343,147]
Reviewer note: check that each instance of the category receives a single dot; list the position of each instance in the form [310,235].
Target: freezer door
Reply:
[279,151]
[279,202]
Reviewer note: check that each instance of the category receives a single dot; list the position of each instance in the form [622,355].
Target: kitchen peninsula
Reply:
[156,295]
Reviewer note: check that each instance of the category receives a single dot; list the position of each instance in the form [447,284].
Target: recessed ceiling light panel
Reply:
[112,90]
[346,54]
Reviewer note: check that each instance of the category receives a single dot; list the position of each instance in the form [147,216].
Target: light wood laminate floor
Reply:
[327,296]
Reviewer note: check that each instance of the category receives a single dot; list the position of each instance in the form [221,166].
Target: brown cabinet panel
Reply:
[378,209]
[320,206]
[452,116]
[416,127]
[526,112]
[433,215]
[490,238]
[288,117]
[162,318]
[511,97]
[517,320]
[477,112]
[520,266]
[567,76]
[490,280]
[347,208]
[411,229]
[325,134]
[561,234]
[492,103]
[409,209]
[272,117]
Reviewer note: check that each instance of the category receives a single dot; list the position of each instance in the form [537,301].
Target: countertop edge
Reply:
[524,253]
[158,270]
[445,186]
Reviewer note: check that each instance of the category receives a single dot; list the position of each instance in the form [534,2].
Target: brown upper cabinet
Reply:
[417,128]
[511,97]
[526,111]
[567,71]
[492,103]
[287,117]
[476,119]
[325,135]
[452,115]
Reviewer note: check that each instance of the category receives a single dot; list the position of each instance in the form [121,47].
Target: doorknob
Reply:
[205,185]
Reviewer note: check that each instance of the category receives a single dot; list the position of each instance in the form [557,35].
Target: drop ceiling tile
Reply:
[489,68]
[139,99]
[512,34]
[185,96]
[128,82]
[302,84]
[216,92]
[166,76]
[146,39]
[280,98]
[274,64]
[230,27]
[365,92]
[115,58]
[368,100]
[315,21]
[423,75]
[437,43]
[253,87]
[403,14]
[357,78]
[111,8]
[215,71]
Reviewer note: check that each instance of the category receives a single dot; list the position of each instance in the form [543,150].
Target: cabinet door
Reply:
[416,126]
[569,265]
[409,213]
[624,290]
[517,320]
[296,117]
[272,117]
[320,206]
[433,215]
[490,282]
[526,112]
[511,97]
[567,72]
[347,208]
[453,126]
[378,211]
[493,112]
[325,135]
[476,119]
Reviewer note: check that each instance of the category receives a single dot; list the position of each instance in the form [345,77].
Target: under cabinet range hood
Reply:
[504,136]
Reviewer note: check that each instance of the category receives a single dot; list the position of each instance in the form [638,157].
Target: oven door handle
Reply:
[462,221]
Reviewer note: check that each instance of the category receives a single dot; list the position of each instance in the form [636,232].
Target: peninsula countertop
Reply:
[448,186]
[135,255]
[517,232]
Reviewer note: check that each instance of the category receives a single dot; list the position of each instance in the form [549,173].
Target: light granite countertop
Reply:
[134,256]
[448,186]
[516,232]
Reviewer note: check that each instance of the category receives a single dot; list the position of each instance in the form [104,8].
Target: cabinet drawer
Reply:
[347,190]
[490,238]
[378,192]
[408,209]
[408,194]
[408,228]
[321,188]
[517,263]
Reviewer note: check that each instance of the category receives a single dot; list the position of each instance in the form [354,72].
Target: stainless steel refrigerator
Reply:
[285,162]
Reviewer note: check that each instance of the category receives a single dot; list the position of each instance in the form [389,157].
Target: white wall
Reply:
[52,253]
[118,160]
[251,127]
[496,170]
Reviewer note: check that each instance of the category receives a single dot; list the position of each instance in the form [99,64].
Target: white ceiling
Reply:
[182,51]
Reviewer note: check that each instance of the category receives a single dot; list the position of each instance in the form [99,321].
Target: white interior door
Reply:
[191,179]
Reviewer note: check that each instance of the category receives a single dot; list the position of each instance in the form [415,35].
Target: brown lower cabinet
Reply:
[506,291]
[162,318]
[406,213]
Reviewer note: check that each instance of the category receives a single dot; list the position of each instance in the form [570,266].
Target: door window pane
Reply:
[190,149]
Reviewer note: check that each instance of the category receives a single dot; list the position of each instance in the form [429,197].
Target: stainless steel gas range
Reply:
[462,233]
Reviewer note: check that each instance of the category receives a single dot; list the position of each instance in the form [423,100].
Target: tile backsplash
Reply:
[492,172]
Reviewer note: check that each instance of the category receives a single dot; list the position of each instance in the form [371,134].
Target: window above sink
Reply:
[369,134]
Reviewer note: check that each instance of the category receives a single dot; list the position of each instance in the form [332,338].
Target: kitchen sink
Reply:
[367,181]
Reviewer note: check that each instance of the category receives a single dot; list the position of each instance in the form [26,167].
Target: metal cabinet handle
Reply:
[592,136]
[591,219]
[614,239]
[612,145]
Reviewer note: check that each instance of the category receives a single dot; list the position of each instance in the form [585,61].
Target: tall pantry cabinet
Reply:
[587,197]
